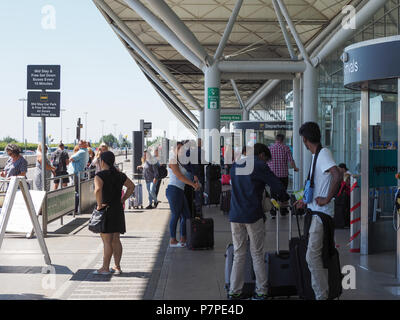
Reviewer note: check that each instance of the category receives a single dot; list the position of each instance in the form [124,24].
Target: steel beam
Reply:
[237,93]
[180,29]
[261,93]
[228,30]
[297,143]
[256,76]
[164,31]
[293,30]
[168,92]
[126,33]
[284,30]
[338,40]
[274,66]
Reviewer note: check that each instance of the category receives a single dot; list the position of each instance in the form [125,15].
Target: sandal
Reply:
[115,271]
[103,273]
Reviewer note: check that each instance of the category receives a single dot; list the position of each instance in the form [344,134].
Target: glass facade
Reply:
[338,107]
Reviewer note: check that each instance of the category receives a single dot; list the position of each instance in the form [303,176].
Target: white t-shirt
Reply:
[322,181]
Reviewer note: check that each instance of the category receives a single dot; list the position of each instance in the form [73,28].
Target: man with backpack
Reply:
[60,160]
[246,216]
[321,187]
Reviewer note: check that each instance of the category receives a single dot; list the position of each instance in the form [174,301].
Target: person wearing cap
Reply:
[108,188]
[16,164]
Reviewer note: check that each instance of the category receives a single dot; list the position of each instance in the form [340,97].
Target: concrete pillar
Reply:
[297,141]
[310,107]
[212,109]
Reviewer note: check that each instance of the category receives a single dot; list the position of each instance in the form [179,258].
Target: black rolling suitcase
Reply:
[281,280]
[249,275]
[199,230]
[298,251]
[200,233]
[226,200]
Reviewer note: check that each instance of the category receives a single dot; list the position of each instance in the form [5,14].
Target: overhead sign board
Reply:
[231,117]
[43,104]
[43,77]
[371,64]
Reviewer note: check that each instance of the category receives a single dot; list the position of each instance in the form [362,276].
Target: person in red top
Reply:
[280,160]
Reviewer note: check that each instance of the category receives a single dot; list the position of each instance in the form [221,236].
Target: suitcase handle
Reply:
[277,226]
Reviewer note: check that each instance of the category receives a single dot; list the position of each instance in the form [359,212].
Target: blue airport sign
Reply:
[43,77]
[43,104]
[372,64]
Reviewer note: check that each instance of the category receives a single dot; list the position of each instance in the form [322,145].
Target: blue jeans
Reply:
[151,188]
[179,210]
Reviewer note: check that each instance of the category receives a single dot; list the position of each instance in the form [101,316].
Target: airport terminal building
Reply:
[332,62]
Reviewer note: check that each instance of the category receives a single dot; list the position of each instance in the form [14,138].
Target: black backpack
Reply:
[55,158]
[162,171]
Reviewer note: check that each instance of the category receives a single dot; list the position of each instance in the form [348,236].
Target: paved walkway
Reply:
[152,270]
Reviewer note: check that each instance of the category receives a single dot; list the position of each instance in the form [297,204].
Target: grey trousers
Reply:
[319,275]
[256,232]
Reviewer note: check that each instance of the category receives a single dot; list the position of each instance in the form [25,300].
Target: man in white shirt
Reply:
[327,178]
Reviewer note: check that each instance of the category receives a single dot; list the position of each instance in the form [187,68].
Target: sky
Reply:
[98,76]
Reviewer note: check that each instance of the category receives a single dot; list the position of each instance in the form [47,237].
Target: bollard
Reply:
[355,215]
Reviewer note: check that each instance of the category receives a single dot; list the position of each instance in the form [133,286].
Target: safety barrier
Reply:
[87,198]
[63,201]
[31,159]
[355,215]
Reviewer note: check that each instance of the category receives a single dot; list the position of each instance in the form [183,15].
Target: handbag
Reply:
[97,221]
[308,195]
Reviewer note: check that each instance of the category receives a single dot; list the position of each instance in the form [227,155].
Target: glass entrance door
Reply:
[379,165]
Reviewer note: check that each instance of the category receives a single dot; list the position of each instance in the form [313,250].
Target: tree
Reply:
[110,140]
[8,139]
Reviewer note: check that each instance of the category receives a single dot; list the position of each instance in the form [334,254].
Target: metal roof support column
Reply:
[212,111]
[297,143]
[293,30]
[261,93]
[164,31]
[181,30]
[154,78]
[284,30]
[146,54]
[237,93]
[310,105]
[200,131]
[274,66]
[361,17]
[149,72]
[228,30]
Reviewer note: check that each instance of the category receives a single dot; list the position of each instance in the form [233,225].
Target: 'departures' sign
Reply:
[43,77]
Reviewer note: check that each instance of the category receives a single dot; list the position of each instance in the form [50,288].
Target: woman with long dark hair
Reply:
[108,188]
[176,196]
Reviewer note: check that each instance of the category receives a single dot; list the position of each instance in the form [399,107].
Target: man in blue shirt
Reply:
[81,158]
[247,217]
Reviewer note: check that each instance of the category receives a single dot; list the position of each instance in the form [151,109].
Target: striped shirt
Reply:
[15,168]
[281,156]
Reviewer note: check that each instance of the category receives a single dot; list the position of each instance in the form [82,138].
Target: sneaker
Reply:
[156,204]
[259,297]
[235,296]
[149,207]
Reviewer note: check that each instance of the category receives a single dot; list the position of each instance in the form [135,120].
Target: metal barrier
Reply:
[59,202]
[87,198]
[355,215]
